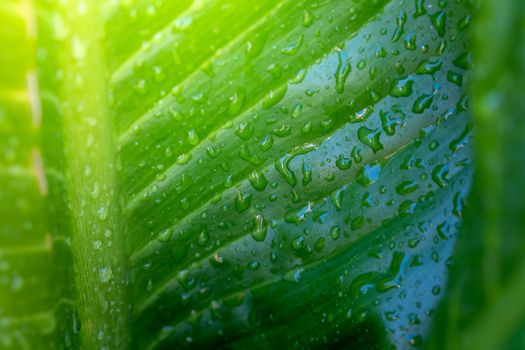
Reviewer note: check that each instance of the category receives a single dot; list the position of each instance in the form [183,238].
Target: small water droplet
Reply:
[102,213]
[254,265]
[293,46]
[260,228]
[402,87]
[335,232]
[164,235]
[105,274]
[406,187]
[242,201]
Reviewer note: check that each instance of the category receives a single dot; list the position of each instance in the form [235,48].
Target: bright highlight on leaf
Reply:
[215,174]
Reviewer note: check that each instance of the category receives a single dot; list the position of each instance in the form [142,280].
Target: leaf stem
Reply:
[99,263]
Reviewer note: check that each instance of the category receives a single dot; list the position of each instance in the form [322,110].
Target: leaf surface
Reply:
[231,176]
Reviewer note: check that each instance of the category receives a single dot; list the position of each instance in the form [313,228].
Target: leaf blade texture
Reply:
[224,175]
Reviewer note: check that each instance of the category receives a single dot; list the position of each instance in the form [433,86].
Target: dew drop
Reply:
[105,274]
[260,228]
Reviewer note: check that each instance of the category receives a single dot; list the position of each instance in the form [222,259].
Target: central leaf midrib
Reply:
[99,264]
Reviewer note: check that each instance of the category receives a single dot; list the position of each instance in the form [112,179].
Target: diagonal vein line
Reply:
[127,134]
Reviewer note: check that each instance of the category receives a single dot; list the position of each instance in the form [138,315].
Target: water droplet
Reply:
[307,173]
[242,201]
[217,261]
[260,228]
[389,121]
[356,155]
[464,22]
[266,143]
[390,278]
[357,223]
[293,46]
[294,275]
[203,238]
[254,265]
[164,235]
[319,244]
[443,230]
[439,175]
[298,216]
[335,232]
[283,167]
[141,87]
[158,74]
[464,61]
[402,87]
[415,340]
[255,45]
[297,110]
[406,187]
[282,130]
[343,70]
[455,78]
[193,137]
[407,207]
[244,131]
[368,174]
[184,158]
[258,180]
[420,8]
[298,243]
[308,19]
[299,77]
[422,103]
[343,163]
[400,30]
[439,21]
[370,138]
[236,102]
[183,23]
[102,213]
[275,69]
[410,42]
[247,155]
[212,151]
[105,274]
[337,198]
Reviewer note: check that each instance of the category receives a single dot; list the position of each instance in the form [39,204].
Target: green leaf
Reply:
[195,174]
[484,307]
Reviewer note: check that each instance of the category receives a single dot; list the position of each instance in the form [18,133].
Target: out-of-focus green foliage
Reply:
[225,174]
[485,304]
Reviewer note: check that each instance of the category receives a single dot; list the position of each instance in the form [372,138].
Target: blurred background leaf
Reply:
[484,307]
